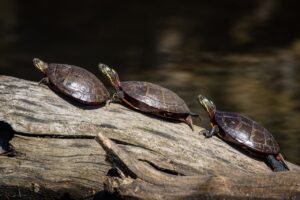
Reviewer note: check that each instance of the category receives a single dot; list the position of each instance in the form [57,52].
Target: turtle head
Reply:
[42,66]
[111,74]
[208,105]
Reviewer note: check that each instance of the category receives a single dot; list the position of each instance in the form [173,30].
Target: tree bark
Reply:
[51,152]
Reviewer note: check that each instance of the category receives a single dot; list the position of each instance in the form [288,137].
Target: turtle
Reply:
[244,132]
[73,81]
[148,97]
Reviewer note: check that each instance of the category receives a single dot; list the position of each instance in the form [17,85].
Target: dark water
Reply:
[244,55]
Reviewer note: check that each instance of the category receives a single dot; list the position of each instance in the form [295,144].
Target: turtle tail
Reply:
[189,121]
[277,163]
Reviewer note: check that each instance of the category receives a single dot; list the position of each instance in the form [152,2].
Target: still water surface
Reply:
[182,51]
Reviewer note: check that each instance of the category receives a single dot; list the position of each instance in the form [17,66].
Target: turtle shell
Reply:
[244,131]
[77,82]
[149,97]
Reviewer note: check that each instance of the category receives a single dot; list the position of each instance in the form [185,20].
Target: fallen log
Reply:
[50,152]
[146,182]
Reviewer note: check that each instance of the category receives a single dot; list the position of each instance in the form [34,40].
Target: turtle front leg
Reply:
[114,99]
[214,130]
[44,80]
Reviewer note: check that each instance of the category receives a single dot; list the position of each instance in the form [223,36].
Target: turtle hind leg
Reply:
[276,165]
[189,121]
[280,158]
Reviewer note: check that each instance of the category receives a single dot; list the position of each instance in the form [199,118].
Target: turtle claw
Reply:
[213,131]
[205,133]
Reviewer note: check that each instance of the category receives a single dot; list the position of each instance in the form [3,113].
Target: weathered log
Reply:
[145,182]
[53,152]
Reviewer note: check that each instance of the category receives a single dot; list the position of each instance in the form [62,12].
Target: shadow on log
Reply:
[52,153]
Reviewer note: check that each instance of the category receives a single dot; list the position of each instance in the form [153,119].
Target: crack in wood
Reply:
[164,170]
[57,136]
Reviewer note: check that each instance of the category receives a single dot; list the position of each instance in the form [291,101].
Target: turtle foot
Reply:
[276,165]
[44,80]
[205,133]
